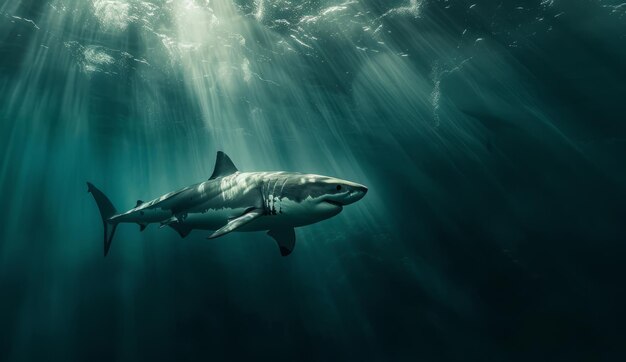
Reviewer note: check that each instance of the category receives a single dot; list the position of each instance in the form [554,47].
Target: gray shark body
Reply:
[230,200]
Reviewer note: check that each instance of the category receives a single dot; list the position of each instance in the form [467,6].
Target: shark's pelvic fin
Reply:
[233,224]
[223,166]
[142,227]
[182,229]
[286,239]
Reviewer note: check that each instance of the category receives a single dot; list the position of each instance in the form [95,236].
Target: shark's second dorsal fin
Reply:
[223,166]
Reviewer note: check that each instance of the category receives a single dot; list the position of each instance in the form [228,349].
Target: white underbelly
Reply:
[215,219]
[212,219]
[145,216]
[288,214]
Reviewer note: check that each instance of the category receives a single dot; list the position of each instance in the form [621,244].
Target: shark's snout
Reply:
[349,194]
[357,193]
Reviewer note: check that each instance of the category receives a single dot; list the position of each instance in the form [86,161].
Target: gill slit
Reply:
[274,197]
[280,207]
[264,196]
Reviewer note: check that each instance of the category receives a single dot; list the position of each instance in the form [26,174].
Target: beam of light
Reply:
[447,111]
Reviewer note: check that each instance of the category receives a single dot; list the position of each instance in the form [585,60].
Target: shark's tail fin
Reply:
[106,211]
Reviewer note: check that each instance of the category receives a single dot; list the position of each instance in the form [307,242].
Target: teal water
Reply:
[491,136]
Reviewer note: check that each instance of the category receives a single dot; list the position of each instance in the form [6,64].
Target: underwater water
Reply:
[491,135]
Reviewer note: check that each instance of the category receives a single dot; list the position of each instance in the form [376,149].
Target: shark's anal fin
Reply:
[286,239]
[223,166]
[233,224]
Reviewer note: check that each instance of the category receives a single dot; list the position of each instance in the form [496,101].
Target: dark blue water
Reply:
[491,135]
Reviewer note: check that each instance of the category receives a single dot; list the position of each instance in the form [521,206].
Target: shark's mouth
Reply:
[333,202]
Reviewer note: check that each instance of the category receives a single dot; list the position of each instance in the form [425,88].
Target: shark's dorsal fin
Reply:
[223,166]
[139,202]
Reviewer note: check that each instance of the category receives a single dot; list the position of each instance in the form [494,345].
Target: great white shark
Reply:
[230,200]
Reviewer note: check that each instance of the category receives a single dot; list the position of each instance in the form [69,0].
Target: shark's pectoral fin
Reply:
[237,222]
[172,220]
[286,239]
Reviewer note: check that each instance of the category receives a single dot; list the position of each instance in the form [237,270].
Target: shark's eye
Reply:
[338,187]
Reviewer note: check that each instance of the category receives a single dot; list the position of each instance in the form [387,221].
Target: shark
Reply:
[276,202]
